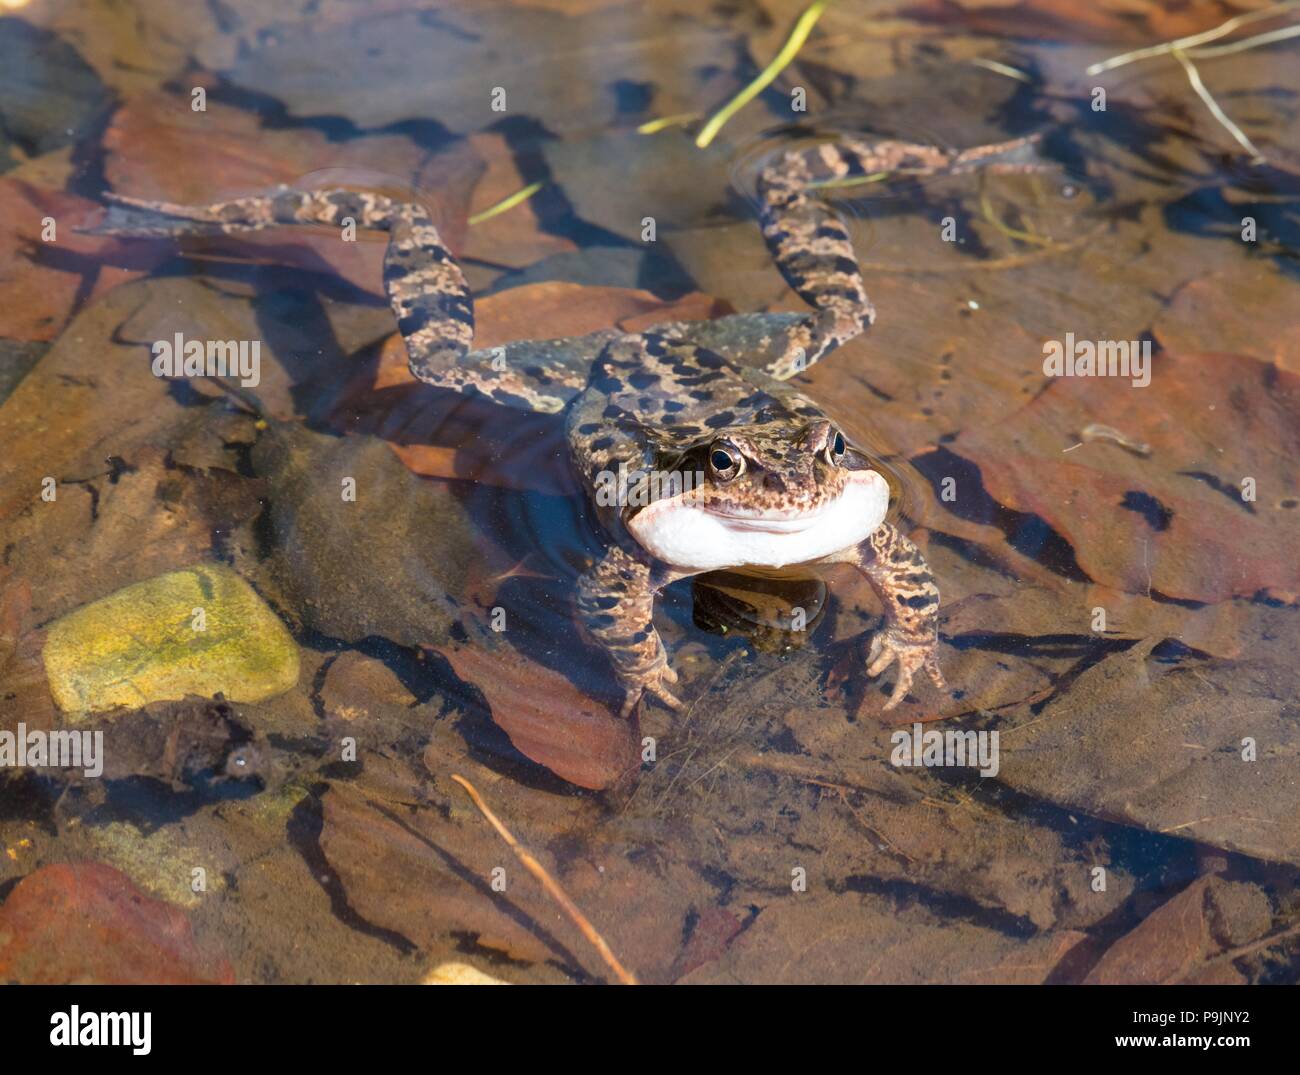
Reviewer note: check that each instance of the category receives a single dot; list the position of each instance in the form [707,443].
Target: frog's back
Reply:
[650,399]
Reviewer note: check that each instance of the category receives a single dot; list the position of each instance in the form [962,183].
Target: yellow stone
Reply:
[459,974]
[202,631]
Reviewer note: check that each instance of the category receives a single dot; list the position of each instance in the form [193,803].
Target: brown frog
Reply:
[696,452]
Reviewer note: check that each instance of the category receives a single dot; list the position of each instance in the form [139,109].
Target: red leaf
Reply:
[86,922]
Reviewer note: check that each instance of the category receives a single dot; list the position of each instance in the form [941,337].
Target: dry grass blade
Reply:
[506,204]
[1195,39]
[549,883]
[767,76]
[1258,41]
[999,68]
[1194,77]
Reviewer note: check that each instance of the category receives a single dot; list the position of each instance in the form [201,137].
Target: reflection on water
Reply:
[1117,565]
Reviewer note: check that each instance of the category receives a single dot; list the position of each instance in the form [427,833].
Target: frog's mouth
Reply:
[783,523]
[692,535]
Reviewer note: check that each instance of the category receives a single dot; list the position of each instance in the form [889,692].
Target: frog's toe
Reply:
[665,695]
[653,683]
[879,656]
[901,688]
[630,700]
[912,656]
[936,673]
[657,683]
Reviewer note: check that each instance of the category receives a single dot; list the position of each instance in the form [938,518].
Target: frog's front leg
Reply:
[901,578]
[616,599]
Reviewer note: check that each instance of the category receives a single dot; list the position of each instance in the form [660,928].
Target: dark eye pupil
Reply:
[839,444]
[721,459]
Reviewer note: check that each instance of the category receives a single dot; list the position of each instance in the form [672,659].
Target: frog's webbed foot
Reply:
[653,681]
[616,606]
[912,654]
[910,637]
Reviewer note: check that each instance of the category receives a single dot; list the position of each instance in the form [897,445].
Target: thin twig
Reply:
[1247,43]
[767,76]
[550,884]
[1194,39]
[1194,77]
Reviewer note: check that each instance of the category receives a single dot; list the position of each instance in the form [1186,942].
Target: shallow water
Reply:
[1118,564]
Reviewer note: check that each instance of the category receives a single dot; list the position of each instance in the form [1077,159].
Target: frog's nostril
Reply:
[774,483]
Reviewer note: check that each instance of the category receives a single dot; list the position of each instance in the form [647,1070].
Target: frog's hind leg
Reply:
[435,313]
[811,245]
[425,286]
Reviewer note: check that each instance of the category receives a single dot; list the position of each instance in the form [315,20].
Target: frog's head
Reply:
[764,495]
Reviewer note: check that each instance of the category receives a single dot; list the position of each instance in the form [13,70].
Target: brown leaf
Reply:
[1167,946]
[547,718]
[513,238]
[1065,20]
[1171,522]
[423,874]
[1245,311]
[40,282]
[559,308]
[82,404]
[149,519]
[714,931]
[364,67]
[87,923]
[26,696]
[857,938]
[934,370]
[1147,741]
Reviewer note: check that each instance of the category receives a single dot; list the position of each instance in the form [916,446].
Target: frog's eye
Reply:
[835,449]
[726,461]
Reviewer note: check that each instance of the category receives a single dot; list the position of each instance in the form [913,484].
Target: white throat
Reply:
[687,535]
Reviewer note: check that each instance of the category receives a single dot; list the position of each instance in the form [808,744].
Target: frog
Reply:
[697,451]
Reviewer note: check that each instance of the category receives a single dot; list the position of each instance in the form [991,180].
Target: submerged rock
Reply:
[362,546]
[201,631]
[50,96]
[355,685]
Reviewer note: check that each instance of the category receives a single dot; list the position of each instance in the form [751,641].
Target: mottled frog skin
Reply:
[750,472]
